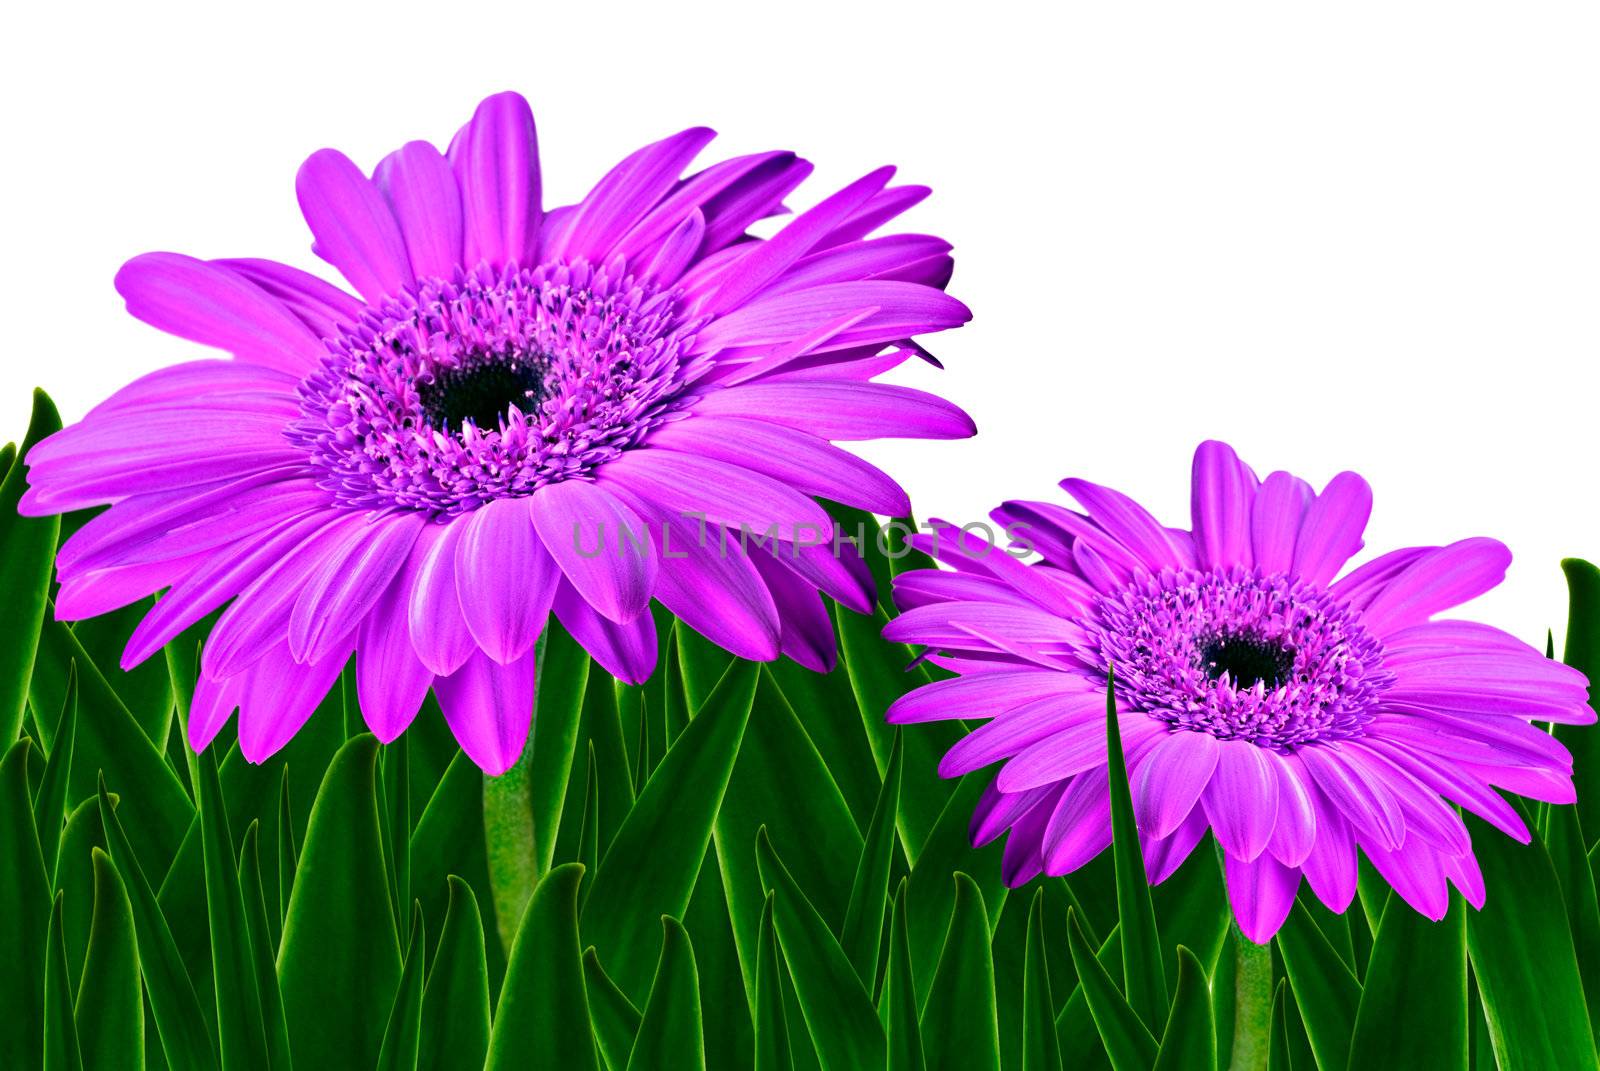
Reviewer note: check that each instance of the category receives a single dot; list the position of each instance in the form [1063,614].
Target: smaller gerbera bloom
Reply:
[518,412]
[1297,714]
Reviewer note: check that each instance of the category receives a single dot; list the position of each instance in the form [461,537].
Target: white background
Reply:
[1360,237]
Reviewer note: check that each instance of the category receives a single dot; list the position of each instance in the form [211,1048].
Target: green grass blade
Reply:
[897,1010]
[110,1006]
[50,806]
[27,549]
[1582,652]
[1189,1042]
[838,1013]
[340,948]
[1413,1010]
[401,1037]
[1128,1043]
[61,1052]
[240,1031]
[869,893]
[651,866]
[1278,1058]
[263,948]
[542,1019]
[960,1028]
[669,1030]
[1041,1050]
[1144,978]
[25,897]
[616,1020]
[455,1002]
[1324,989]
[563,677]
[772,1031]
[185,1040]
[1524,959]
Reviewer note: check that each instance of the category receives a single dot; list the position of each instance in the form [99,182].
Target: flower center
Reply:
[1242,655]
[492,384]
[1246,660]
[483,391]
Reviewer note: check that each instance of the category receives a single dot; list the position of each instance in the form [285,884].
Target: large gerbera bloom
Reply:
[523,412]
[1296,714]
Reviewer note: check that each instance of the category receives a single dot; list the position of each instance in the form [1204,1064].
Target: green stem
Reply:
[508,834]
[1252,1024]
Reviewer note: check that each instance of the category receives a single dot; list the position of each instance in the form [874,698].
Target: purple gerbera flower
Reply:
[1296,714]
[523,412]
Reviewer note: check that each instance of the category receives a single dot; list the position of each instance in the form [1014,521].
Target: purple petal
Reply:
[505,579]
[1359,796]
[214,701]
[716,493]
[1437,581]
[805,626]
[1275,519]
[319,304]
[1222,494]
[715,591]
[1162,858]
[1128,523]
[496,161]
[804,461]
[439,631]
[1169,782]
[391,681]
[352,225]
[1416,872]
[1261,892]
[1020,728]
[489,708]
[277,695]
[901,310]
[625,194]
[1330,868]
[1331,531]
[599,543]
[214,305]
[983,695]
[348,584]
[627,652]
[1242,799]
[1295,833]
[843,412]
[426,202]
[1080,827]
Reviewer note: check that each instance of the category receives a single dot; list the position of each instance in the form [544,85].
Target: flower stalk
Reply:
[1252,1022]
[508,831]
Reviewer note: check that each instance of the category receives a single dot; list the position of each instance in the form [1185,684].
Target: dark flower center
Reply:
[1246,660]
[483,392]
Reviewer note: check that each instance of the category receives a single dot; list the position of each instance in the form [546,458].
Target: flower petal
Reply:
[354,229]
[505,579]
[489,708]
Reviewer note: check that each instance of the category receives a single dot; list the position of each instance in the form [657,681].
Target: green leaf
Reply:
[1075,1028]
[959,1025]
[1583,652]
[1565,839]
[869,893]
[185,1040]
[146,689]
[110,741]
[898,1010]
[25,896]
[1189,1041]
[455,1004]
[838,1012]
[779,777]
[1041,1051]
[772,1031]
[1413,1010]
[340,949]
[563,678]
[288,858]
[1523,957]
[448,841]
[651,866]
[263,948]
[730,1034]
[394,776]
[110,1008]
[239,1025]
[1324,989]
[878,676]
[542,1019]
[61,1052]
[51,805]
[1144,979]
[75,871]
[401,1037]
[931,896]
[669,1031]
[616,1020]
[589,832]
[27,548]
[1128,1042]
[1278,1058]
